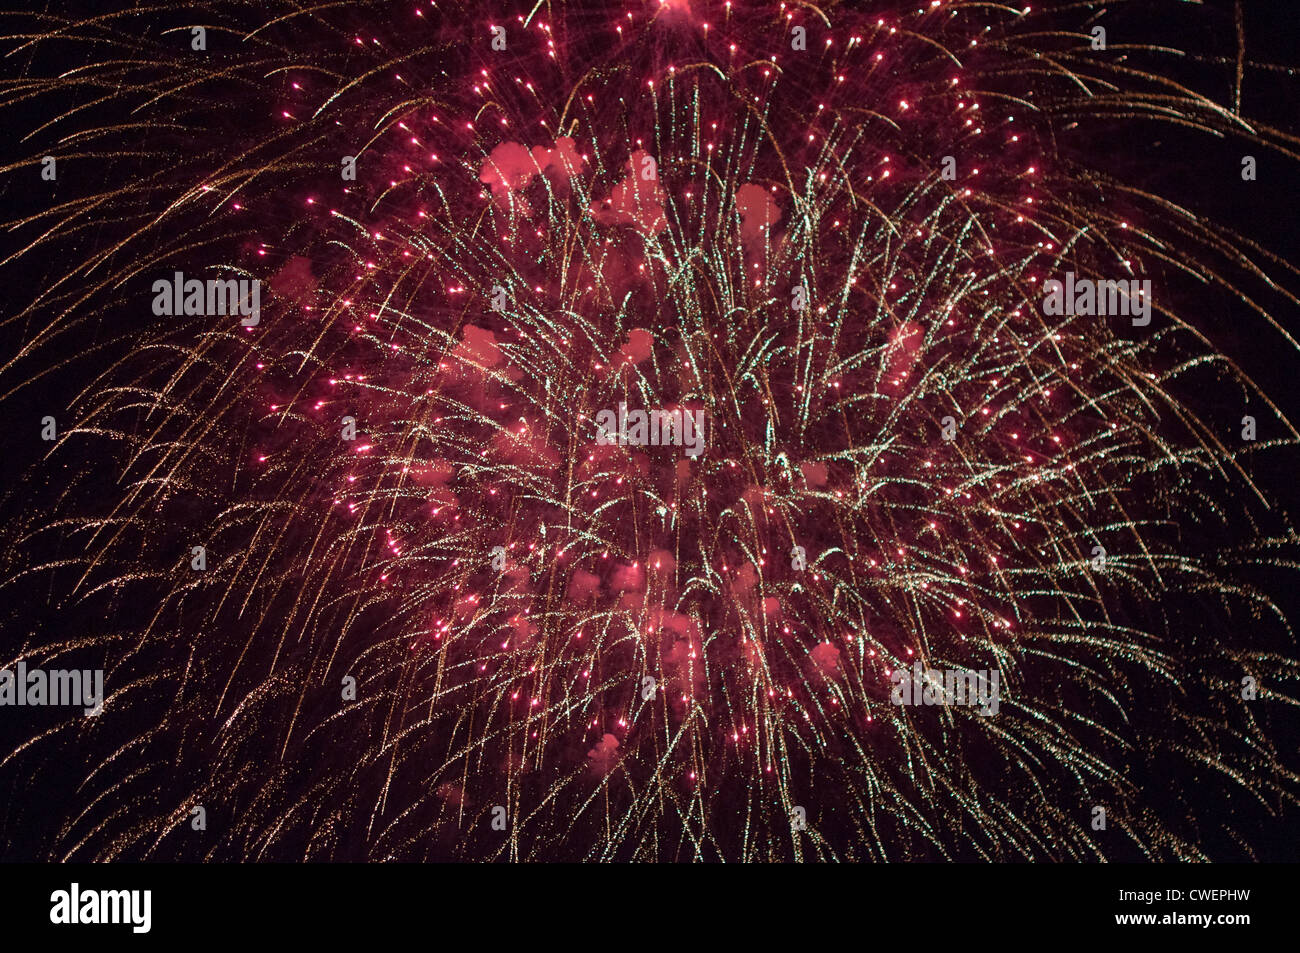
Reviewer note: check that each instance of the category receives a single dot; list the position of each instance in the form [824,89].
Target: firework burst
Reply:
[442,614]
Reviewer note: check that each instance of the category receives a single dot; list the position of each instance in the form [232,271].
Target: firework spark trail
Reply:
[524,686]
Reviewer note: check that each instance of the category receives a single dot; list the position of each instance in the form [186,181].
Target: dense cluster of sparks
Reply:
[663,205]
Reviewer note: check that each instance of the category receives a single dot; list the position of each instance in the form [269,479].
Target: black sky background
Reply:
[1183,166]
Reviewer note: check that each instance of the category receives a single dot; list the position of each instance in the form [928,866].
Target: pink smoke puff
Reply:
[436,473]
[510,166]
[825,660]
[637,348]
[815,474]
[661,564]
[758,213]
[295,281]
[522,631]
[604,756]
[583,585]
[628,578]
[478,347]
[635,201]
[904,352]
